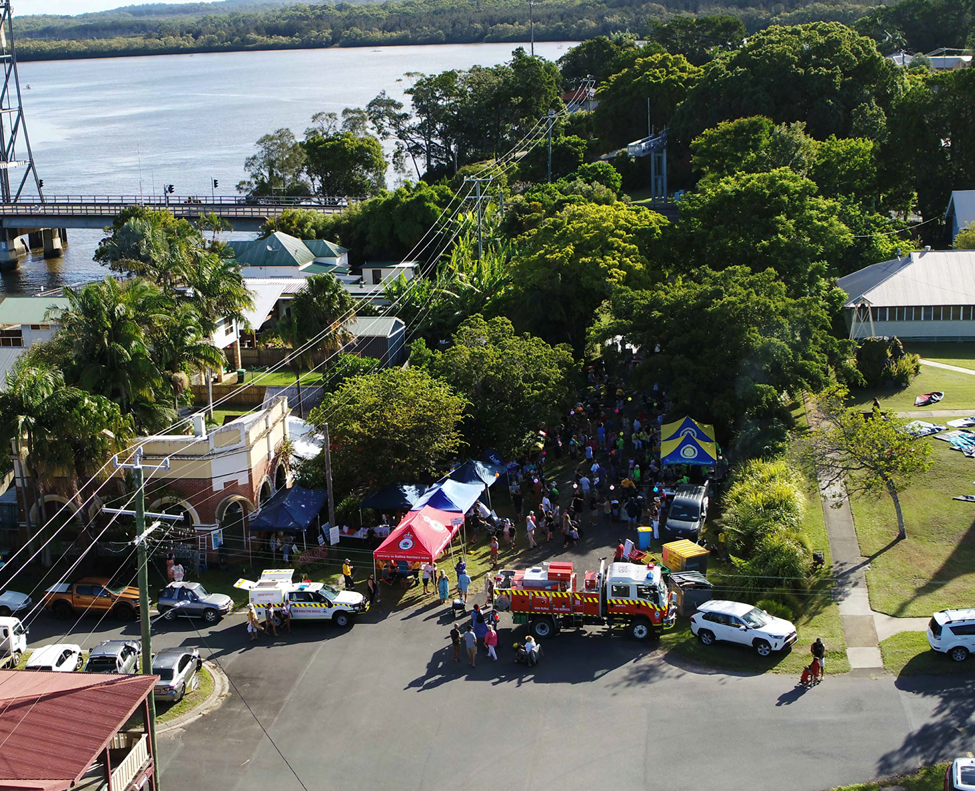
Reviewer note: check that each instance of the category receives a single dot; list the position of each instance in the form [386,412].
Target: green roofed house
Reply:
[281,255]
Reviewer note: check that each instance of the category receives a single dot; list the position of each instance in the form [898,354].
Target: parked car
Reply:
[960,775]
[736,622]
[12,603]
[57,658]
[114,656]
[177,669]
[13,641]
[192,600]
[94,595]
[952,632]
[688,512]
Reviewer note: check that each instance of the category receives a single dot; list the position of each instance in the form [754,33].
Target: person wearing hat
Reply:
[347,571]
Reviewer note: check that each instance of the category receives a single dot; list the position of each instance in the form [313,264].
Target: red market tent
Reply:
[422,535]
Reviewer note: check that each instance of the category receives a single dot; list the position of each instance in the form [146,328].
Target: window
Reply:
[620,592]
[185,595]
[184,663]
[926,314]
[300,596]
[966,313]
[84,590]
[377,276]
[909,314]
[963,630]
[956,312]
[716,617]
[935,628]
[229,329]
[881,314]
[937,313]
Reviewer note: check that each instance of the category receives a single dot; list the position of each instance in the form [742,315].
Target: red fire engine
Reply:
[548,598]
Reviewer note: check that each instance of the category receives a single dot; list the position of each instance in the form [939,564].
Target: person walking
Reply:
[286,615]
[530,530]
[455,641]
[495,547]
[463,584]
[373,587]
[489,589]
[347,572]
[470,640]
[491,641]
[429,571]
[443,587]
[818,650]
[253,624]
[620,552]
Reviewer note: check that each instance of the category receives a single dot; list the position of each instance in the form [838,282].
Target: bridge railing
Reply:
[315,201]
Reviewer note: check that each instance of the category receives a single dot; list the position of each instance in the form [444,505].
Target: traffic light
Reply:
[40,183]
[170,188]
[216,183]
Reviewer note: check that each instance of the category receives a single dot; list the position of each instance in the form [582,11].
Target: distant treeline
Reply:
[118,33]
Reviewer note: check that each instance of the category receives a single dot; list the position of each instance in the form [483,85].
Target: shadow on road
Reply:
[790,697]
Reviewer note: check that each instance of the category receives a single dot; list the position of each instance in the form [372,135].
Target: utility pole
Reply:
[328,478]
[531,23]
[141,534]
[478,197]
[551,119]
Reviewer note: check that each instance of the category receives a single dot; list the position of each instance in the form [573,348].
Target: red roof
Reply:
[422,535]
[54,725]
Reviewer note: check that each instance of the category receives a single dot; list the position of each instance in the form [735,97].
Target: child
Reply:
[494,551]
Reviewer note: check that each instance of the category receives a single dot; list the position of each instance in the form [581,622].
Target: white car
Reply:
[12,603]
[58,658]
[952,632]
[736,622]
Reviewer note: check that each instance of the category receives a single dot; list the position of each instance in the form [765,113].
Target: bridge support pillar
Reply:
[52,243]
[12,248]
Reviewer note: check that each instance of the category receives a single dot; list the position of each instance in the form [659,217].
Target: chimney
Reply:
[199,425]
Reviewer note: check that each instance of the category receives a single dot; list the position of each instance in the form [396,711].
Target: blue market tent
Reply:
[399,497]
[450,495]
[478,472]
[291,510]
[687,449]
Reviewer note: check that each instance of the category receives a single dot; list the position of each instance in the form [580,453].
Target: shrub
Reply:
[765,498]
[904,369]
[778,559]
[776,609]
[883,359]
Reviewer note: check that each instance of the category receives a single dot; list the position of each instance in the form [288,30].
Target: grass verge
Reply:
[959,390]
[908,654]
[166,712]
[927,778]
[960,354]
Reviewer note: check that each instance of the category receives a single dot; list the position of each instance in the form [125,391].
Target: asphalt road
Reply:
[383,705]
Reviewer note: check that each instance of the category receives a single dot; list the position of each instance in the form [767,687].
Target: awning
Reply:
[290,510]
[477,472]
[688,426]
[399,497]
[422,535]
[685,449]
[450,496]
[264,298]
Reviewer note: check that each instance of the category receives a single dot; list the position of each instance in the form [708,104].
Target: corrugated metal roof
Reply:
[374,326]
[8,358]
[962,205]
[318,268]
[290,285]
[54,725]
[28,310]
[264,298]
[323,248]
[933,277]
[278,249]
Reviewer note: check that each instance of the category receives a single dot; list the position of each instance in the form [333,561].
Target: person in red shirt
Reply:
[620,552]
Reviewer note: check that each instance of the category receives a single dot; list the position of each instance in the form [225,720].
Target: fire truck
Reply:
[549,598]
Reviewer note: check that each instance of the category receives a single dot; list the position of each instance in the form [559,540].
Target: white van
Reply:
[13,641]
[310,601]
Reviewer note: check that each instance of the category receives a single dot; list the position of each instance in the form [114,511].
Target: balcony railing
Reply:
[132,764]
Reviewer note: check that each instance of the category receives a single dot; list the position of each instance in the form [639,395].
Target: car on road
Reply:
[192,600]
[737,622]
[177,669]
[57,658]
[960,775]
[93,595]
[114,656]
[952,632]
[12,603]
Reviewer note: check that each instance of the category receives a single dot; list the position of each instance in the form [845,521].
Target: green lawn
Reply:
[908,654]
[166,712]
[280,378]
[960,354]
[959,390]
[935,567]
[928,778]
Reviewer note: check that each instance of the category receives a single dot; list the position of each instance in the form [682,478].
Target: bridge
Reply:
[44,220]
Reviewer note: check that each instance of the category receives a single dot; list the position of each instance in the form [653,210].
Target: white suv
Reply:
[736,622]
[952,632]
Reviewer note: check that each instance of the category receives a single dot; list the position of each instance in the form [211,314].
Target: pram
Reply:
[811,675]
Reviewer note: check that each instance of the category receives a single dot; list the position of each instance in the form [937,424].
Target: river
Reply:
[130,125]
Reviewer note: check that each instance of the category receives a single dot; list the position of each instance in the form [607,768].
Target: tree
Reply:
[763,220]
[514,384]
[871,456]
[732,344]
[276,168]
[646,93]
[699,39]
[345,164]
[180,346]
[573,261]
[822,73]
[600,58]
[395,425]
[965,240]
[752,145]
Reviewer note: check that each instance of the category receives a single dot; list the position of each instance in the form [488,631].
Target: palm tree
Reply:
[181,347]
[218,289]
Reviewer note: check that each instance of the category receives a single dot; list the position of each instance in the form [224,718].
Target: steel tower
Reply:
[15,173]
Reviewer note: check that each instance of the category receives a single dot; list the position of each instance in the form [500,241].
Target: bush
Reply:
[765,498]
[776,609]
[777,560]
[903,370]
[884,359]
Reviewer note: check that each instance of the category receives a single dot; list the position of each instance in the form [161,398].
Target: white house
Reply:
[925,295]
[961,211]
[281,255]
[379,274]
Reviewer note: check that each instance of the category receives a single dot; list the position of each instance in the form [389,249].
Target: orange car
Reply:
[93,594]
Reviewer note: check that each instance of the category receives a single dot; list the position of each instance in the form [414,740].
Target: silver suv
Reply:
[952,632]
[114,656]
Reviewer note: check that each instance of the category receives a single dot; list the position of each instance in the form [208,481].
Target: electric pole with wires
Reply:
[141,534]
[478,197]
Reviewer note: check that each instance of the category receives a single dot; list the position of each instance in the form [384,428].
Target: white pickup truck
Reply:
[310,601]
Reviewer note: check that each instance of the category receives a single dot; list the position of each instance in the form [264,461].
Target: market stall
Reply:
[687,442]
[422,535]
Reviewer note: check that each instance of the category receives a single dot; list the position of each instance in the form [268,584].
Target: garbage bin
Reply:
[241,373]
[693,589]
[644,534]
